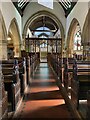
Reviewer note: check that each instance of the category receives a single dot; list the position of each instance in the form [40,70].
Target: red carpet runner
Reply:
[43,99]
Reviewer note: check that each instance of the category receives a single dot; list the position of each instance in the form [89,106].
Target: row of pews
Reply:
[74,75]
[81,78]
[34,60]
[16,77]
[56,63]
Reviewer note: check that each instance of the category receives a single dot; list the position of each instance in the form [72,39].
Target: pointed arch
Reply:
[70,36]
[41,13]
[86,30]
[52,16]
[86,37]
[3,38]
[13,32]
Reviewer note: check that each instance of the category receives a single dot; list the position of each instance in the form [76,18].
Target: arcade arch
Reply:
[13,40]
[86,37]
[3,38]
[74,45]
[47,14]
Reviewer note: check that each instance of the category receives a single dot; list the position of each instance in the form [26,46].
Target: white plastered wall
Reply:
[9,12]
[79,12]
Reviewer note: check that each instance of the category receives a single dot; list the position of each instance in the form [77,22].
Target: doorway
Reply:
[43,50]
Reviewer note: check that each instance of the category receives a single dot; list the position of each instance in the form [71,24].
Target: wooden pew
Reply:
[37,60]
[31,63]
[65,73]
[22,74]
[12,83]
[53,62]
[80,83]
[48,58]
[56,64]
[59,68]
[34,61]
[28,69]
[88,105]
[68,72]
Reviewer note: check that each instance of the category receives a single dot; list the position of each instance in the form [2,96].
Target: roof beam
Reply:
[43,30]
[35,38]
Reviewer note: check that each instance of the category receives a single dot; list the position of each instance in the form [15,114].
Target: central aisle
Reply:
[43,98]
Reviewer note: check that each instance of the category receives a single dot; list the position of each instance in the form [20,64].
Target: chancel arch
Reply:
[47,14]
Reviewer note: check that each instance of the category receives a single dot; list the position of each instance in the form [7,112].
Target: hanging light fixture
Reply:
[9,39]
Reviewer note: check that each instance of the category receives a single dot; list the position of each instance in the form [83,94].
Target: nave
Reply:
[31,33]
[43,98]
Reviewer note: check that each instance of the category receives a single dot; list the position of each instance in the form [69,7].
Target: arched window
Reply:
[77,41]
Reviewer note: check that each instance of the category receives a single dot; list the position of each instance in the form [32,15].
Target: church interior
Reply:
[45,59]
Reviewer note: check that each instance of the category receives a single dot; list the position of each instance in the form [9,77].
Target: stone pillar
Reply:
[17,51]
[23,44]
[86,53]
[3,49]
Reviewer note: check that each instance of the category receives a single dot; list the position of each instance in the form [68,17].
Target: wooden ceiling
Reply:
[44,21]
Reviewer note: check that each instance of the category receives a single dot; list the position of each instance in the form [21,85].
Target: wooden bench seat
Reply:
[10,88]
[28,70]
[84,84]
[88,104]
[68,72]
[11,81]
[7,70]
[56,64]
[60,69]
[10,73]
[34,60]
[22,74]
[7,65]
[28,56]
[82,81]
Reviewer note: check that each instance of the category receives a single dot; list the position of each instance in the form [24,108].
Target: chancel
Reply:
[45,59]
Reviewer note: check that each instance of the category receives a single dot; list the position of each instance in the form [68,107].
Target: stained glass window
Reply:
[77,41]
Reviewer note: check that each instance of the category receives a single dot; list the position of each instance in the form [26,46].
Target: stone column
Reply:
[17,50]
[3,49]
